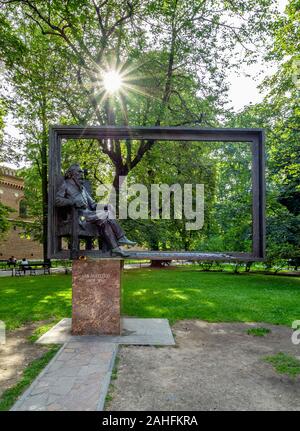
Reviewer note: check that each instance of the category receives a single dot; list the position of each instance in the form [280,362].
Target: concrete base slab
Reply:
[135,331]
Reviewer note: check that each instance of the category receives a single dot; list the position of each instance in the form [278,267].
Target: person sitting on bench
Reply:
[12,261]
[24,264]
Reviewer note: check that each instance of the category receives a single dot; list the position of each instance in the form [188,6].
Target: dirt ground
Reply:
[17,353]
[214,366]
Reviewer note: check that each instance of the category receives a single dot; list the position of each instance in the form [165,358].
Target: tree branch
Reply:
[122,19]
[143,148]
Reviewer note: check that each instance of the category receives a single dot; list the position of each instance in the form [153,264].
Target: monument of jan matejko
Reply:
[95,283]
[75,218]
[73,192]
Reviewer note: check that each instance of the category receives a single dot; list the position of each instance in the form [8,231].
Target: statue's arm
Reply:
[91,203]
[94,206]
[61,199]
[100,207]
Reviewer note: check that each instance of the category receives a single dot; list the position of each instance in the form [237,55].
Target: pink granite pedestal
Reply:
[96,297]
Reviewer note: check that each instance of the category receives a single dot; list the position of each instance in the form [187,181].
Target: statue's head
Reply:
[75,172]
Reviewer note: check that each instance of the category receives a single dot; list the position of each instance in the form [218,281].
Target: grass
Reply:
[174,293]
[38,332]
[215,297]
[163,293]
[284,364]
[28,299]
[10,396]
[114,374]
[258,332]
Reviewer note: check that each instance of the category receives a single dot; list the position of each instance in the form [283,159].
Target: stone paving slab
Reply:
[78,376]
[135,331]
[76,379]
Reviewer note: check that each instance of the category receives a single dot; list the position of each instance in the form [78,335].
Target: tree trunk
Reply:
[44,158]
[121,170]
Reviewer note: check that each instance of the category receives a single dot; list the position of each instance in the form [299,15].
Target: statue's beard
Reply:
[78,182]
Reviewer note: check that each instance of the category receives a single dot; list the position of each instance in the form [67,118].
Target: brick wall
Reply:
[13,244]
[11,196]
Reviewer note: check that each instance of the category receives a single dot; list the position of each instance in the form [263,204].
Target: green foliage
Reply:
[114,375]
[10,396]
[258,332]
[4,223]
[172,163]
[227,203]
[284,364]
[2,113]
[279,114]
[174,57]
[284,125]
[11,46]
[230,218]
[170,54]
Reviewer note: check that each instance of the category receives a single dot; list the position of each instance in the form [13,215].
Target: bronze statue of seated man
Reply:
[72,192]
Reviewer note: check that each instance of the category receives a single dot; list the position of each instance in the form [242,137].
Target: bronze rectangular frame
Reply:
[255,138]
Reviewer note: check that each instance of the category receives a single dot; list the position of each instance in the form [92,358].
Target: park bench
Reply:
[3,264]
[31,268]
[22,269]
[7,266]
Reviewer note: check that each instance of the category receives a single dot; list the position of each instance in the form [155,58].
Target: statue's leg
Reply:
[104,246]
[109,235]
[120,234]
[118,231]
[89,243]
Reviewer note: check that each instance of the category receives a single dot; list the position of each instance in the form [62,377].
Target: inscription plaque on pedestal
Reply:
[96,297]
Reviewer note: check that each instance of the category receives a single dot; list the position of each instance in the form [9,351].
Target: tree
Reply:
[89,35]
[173,163]
[2,113]
[284,97]
[279,114]
[32,73]
[171,50]
[4,210]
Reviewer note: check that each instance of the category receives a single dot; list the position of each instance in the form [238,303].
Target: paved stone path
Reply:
[77,378]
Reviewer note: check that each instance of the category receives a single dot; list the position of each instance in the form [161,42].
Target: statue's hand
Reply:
[109,207]
[79,203]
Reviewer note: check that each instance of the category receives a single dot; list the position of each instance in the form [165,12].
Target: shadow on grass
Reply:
[177,294]
[34,298]
[219,297]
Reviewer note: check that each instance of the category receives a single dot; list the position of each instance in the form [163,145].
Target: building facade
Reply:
[15,242]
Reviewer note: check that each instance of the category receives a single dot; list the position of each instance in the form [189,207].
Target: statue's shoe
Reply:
[125,241]
[119,252]
[93,218]
[82,223]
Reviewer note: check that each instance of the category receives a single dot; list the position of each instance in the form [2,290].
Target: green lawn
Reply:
[215,297]
[284,364]
[25,299]
[170,293]
[9,397]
